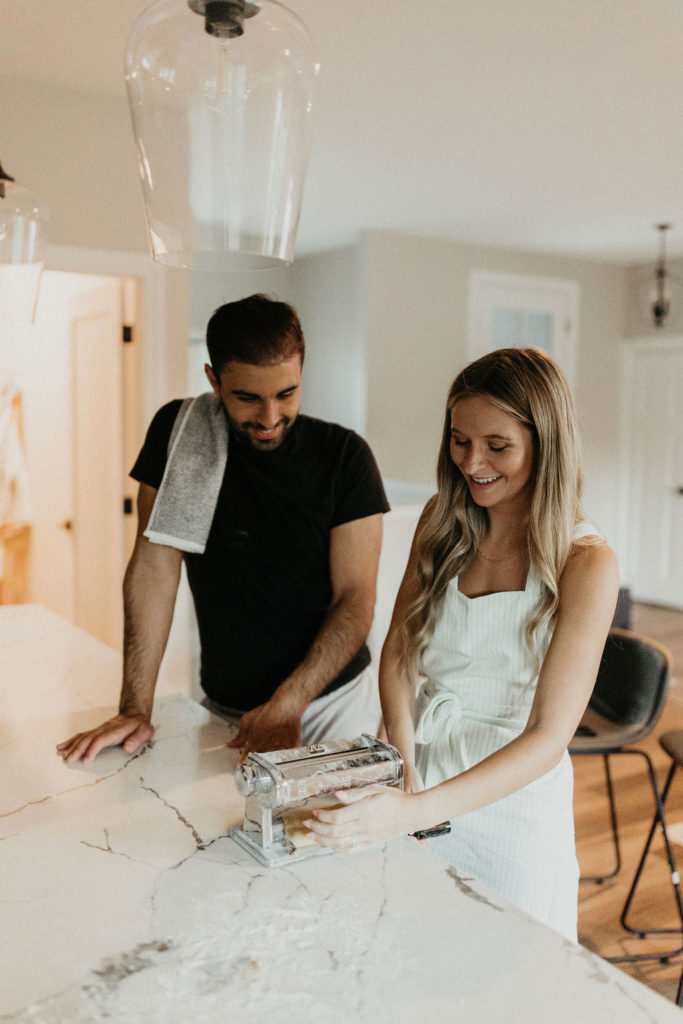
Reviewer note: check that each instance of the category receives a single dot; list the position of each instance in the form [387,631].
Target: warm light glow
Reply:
[19,284]
[22,243]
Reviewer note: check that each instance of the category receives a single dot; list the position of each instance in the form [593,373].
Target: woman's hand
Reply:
[372,814]
[412,780]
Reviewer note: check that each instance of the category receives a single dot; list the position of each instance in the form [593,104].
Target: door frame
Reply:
[153,363]
[630,348]
[96,317]
[153,373]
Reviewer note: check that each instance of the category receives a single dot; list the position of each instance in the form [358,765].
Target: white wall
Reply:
[417,303]
[77,151]
[209,291]
[330,299]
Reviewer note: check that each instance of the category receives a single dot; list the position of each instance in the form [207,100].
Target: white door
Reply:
[98,520]
[653,428]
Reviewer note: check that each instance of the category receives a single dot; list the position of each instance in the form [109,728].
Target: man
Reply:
[285,587]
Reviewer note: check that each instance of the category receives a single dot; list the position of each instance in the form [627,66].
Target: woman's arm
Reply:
[396,690]
[588,592]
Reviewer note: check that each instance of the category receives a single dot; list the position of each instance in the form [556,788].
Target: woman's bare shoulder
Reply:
[591,550]
[592,571]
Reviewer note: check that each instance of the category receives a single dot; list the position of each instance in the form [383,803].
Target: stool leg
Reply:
[675,880]
[613,818]
[646,850]
[615,829]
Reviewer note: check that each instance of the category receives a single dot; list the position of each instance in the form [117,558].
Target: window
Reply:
[523,311]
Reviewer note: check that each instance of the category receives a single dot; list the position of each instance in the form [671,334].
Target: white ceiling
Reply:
[554,125]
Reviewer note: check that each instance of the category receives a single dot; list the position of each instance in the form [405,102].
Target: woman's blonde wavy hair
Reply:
[527,384]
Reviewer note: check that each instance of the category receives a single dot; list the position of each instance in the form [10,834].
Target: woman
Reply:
[504,609]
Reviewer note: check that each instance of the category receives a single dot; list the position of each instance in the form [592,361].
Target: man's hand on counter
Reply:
[131,731]
[267,727]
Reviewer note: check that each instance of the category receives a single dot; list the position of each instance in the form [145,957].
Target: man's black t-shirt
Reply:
[262,587]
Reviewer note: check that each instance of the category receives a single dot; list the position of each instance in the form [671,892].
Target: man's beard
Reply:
[243,433]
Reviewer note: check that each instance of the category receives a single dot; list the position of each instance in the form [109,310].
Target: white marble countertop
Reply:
[123,900]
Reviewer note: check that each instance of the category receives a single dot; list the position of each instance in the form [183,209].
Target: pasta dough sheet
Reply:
[295,830]
[343,775]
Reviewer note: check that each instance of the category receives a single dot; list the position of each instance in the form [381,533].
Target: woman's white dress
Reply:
[476,698]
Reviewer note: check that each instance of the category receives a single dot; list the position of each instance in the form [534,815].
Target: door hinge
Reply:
[128,506]
[127,333]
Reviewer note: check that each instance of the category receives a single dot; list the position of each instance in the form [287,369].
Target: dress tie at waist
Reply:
[438,714]
[436,707]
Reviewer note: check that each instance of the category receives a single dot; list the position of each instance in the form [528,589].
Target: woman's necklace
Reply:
[497,560]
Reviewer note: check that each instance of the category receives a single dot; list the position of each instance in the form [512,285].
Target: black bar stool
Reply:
[627,700]
[625,706]
[672,743]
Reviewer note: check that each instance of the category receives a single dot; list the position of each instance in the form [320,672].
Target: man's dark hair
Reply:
[256,330]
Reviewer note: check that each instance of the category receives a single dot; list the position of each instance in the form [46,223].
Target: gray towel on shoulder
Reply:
[197,455]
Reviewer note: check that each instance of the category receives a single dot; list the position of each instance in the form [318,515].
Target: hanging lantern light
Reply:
[22,245]
[220,93]
[661,298]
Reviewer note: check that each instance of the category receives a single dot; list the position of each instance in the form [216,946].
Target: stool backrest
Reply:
[631,685]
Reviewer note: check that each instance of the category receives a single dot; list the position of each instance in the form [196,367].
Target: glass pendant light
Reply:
[220,93]
[22,245]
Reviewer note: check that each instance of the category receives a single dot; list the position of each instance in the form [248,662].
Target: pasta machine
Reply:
[282,787]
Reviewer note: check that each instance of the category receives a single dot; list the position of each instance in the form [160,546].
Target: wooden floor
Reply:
[600,905]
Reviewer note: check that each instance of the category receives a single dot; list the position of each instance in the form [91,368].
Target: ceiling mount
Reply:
[224,18]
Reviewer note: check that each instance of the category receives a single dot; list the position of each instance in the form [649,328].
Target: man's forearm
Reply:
[354,556]
[149,591]
[343,632]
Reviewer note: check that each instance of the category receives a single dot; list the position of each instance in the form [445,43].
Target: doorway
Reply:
[79,394]
[653,470]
